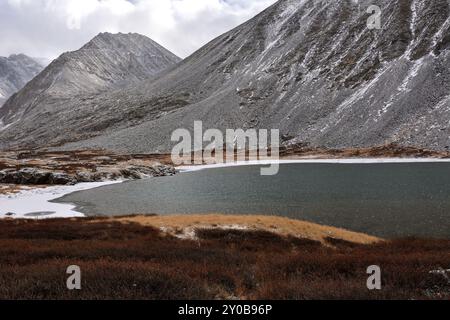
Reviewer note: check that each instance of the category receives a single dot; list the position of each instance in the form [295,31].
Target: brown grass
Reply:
[10,189]
[384,151]
[71,161]
[183,225]
[133,261]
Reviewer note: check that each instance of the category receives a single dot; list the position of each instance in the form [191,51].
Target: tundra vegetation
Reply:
[121,260]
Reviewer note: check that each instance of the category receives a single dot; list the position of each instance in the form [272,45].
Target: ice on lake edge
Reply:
[35,203]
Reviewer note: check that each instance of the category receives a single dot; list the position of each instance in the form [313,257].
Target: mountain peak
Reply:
[109,40]
[18,56]
[312,69]
[108,61]
[15,71]
[105,36]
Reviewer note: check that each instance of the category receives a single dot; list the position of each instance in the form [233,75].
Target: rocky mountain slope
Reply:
[313,69]
[15,71]
[109,61]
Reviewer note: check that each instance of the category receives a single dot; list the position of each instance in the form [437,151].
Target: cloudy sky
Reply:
[46,28]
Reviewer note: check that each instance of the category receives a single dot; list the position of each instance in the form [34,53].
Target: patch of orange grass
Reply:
[10,189]
[180,225]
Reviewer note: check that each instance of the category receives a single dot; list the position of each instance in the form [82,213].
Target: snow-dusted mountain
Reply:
[107,62]
[311,68]
[15,71]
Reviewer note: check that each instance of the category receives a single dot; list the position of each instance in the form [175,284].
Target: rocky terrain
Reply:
[313,69]
[107,62]
[42,169]
[70,167]
[15,71]
[304,151]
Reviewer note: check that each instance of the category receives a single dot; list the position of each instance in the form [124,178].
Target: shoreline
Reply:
[189,168]
[35,201]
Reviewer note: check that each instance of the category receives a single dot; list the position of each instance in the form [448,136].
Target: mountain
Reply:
[42,61]
[107,62]
[15,71]
[313,69]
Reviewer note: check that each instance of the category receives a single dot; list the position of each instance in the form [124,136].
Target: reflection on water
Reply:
[39,214]
[389,200]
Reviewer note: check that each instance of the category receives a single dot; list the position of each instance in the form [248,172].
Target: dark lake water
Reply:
[388,200]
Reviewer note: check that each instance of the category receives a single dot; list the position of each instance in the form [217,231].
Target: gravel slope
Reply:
[312,69]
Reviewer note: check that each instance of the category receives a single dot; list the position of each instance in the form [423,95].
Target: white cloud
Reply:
[46,28]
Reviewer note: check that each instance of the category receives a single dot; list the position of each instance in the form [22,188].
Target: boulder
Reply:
[61,179]
[33,176]
[24,176]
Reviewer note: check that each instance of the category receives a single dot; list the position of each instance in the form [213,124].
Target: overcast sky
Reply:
[47,28]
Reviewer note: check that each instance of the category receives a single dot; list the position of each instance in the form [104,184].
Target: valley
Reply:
[357,106]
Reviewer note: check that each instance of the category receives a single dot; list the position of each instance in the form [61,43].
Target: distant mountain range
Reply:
[313,69]
[15,71]
[107,62]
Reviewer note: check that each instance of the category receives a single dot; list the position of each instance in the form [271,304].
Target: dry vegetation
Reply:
[134,261]
[184,226]
[39,169]
[386,151]
[9,189]
[73,161]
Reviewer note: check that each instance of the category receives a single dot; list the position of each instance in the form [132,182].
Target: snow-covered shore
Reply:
[35,203]
[313,161]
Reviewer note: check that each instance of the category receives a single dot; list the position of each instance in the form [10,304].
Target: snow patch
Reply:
[190,233]
[443,104]
[35,203]
[360,93]
[3,126]
[412,28]
[184,169]
[440,34]
[404,87]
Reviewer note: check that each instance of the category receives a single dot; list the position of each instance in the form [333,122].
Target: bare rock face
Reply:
[15,71]
[312,69]
[109,61]
[33,176]
[37,176]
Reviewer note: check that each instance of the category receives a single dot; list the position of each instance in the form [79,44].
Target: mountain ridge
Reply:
[313,70]
[15,71]
[107,62]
